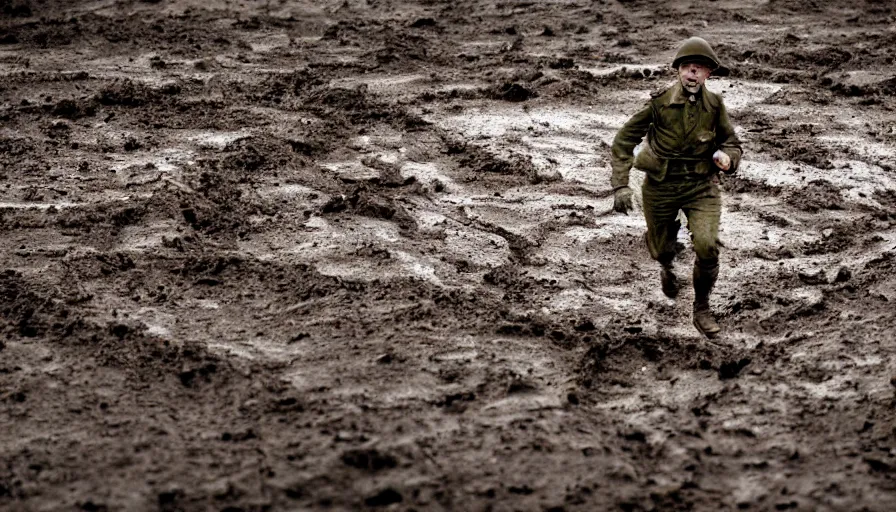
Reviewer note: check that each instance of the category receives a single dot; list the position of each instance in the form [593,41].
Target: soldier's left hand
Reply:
[622,200]
[721,159]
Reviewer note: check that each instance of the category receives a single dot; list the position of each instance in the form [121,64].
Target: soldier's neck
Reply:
[692,95]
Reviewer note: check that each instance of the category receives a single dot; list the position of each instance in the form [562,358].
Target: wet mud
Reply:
[354,254]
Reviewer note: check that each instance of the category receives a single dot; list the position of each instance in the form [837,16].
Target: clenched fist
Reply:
[721,159]
[622,200]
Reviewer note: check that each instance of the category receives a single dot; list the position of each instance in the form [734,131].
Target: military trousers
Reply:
[700,199]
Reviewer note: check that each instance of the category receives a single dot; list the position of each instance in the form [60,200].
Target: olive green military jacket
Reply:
[676,129]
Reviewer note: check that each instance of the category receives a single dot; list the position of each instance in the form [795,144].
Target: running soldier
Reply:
[689,139]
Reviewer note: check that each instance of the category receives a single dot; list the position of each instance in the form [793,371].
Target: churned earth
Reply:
[337,255]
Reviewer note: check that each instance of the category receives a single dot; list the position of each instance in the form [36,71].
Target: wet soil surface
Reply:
[359,254]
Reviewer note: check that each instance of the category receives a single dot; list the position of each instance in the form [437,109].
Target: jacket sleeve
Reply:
[622,151]
[727,141]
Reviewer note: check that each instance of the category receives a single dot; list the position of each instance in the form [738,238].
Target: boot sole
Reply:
[707,334]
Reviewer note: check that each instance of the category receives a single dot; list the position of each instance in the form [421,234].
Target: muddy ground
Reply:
[294,255]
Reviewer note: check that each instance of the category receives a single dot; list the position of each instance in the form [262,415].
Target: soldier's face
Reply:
[692,76]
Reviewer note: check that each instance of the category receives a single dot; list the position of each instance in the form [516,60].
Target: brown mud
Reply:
[358,254]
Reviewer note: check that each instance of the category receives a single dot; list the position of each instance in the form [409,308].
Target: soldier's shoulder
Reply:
[658,93]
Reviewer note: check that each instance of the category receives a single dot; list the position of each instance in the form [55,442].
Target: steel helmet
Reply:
[696,49]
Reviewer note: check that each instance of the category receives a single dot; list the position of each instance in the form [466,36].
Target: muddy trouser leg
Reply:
[703,210]
[661,205]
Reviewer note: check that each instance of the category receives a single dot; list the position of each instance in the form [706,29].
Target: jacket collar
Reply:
[678,96]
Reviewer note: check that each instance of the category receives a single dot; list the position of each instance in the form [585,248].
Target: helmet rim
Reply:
[696,48]
[700,59]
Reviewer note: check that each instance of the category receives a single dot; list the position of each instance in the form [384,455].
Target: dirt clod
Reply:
[371,460]
[514,92]
[384,498]
[731,369]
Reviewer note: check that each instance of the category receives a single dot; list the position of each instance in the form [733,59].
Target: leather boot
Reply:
[670,282]
[705,275]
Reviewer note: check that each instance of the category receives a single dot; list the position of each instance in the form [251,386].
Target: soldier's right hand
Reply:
[722,160]
[622,200]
